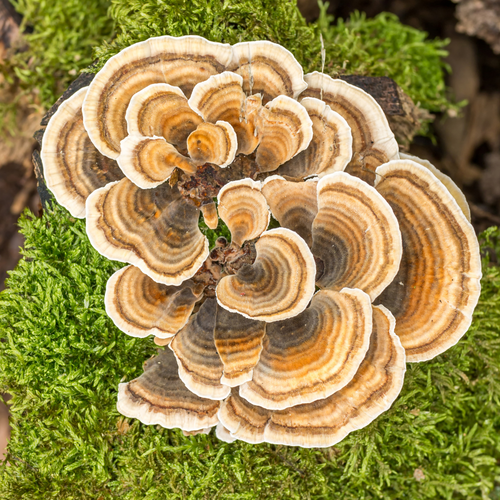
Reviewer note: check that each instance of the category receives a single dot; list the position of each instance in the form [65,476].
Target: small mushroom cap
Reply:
[437,287]
[324,423]
[154,229]
[454,190]
[293,204]
[284,129]
[200,366]
[356,236]
[267,69]
[140,307]
[159,397]
[73,168]
[210,215]
[244,210]
[278,285]
[373,141]
[211,143]
[239,344]
[181,62]
[149,161]
[223,434]
[221,97]
[314,354]
[162,110]
[330,149]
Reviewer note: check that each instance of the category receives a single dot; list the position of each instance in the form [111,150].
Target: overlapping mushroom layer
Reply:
[273,336]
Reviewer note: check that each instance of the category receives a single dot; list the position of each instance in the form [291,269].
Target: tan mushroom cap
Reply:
[162,110]
[371,392]
[73,168]
[239,343]
[284,129]
[356,236]
[330,149]
[278,285]
[373,141]
[454,190]
[244,210]
[211,143]
[149,161]
[437,287]
[221,97]
[210,215]
[314,354]
[267,69]
[140,307]
[154,229]
[200,366]
[293,204]
[223,434]
[159,397]
[181,62]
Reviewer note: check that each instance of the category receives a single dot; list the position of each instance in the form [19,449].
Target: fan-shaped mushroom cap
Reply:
[293,204]
[373,140]
[267,69]
[355,235]
[210,215]
[222,98]
[454,190]
[162,110]
[200,366]
[278,285]
[314,354]
[154,229]
[223,434]
[211,143]
[158,396]
[284,129]
[323,423]
[182,62]
[239,343]
[244,210]
[140,307]
[73,167]
[330,149]
[149,161]
[438,283]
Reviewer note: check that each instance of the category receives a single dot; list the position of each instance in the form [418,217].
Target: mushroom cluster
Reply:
[297,334]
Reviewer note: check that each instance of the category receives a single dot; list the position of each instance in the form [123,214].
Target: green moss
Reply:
[62,360]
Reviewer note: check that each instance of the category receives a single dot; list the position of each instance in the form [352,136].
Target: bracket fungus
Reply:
[272,336]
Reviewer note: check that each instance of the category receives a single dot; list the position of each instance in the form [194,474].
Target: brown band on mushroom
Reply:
[284,129]
[182,62]
[278,285]
[447,181]
[438,283]
[140,307]
[373,140]
[155,230]
[244,210]
[293,204]
[355,236]
[200,366]
[162,110]
[222,98]
[149,161]
[267,69]
[73,168]
[210,216]
[211,143]
[371,392]
[314,354]
[239,343]
[159,397]
[331,146]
